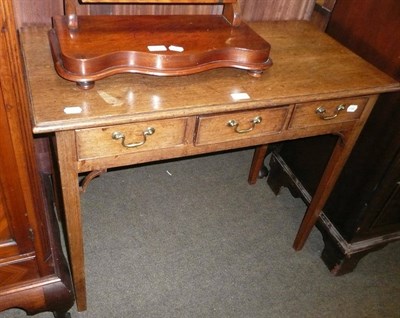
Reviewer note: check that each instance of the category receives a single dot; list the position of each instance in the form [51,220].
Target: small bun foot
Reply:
[85,85]
[256,74]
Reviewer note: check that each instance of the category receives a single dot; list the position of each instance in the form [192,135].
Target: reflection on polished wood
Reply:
[191,114]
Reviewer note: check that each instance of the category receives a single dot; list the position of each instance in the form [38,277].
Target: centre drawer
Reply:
[130,138]
[327,112]
[240,125]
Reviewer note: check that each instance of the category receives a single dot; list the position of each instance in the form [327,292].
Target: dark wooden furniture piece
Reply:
[129,119]
[33,272]
[363,212]
[88,48]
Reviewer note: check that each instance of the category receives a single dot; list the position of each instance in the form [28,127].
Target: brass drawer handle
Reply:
[116,135]
[254,122]
[321,112]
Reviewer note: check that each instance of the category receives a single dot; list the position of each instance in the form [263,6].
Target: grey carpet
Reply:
[190,238]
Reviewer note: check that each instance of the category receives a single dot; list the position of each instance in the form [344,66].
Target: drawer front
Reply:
[327,112]
[240,125]
[130,138]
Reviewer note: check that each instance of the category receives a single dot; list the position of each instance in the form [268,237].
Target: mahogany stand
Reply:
[89,48]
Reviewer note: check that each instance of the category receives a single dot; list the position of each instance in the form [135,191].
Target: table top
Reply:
[308,66]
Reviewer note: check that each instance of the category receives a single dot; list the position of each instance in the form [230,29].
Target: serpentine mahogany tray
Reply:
[161,45]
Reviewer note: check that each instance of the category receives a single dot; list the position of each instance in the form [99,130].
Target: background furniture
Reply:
[322,13]
[363,211]
[33,272]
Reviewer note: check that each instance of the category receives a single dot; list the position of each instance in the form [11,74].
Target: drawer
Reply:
[130,138]
[240,125]
[327,112]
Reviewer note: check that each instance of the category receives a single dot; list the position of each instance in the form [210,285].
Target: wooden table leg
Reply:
[66,152]
[331,173]
[257,163]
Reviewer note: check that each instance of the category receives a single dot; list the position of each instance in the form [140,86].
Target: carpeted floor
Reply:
[191,239]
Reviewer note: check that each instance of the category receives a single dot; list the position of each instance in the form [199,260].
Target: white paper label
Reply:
[73,110]
[240,96]
[175,48]
[352,108]
[157,48]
